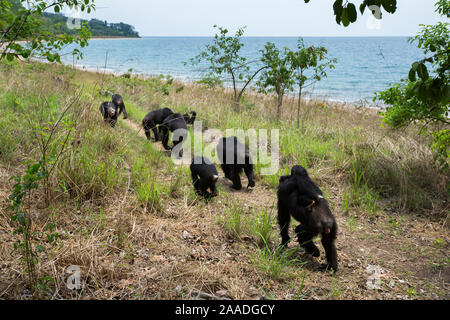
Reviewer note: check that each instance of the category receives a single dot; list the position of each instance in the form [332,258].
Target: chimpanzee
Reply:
[120,106]
[153,119]
[204,176]
[190,119]
[235,159]
[311,210]
[171,123]
[109,113]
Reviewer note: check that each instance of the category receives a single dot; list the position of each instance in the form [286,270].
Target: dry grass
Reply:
[128,248]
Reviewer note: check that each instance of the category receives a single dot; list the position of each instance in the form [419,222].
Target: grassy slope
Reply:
[130,219]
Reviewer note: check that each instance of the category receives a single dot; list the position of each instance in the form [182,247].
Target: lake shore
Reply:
[250,91]
[114,38]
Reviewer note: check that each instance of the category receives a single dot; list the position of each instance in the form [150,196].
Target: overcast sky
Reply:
[262,17]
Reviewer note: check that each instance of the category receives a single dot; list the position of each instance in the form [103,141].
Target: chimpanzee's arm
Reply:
[122,108]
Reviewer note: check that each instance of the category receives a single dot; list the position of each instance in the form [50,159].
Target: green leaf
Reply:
[351,12]
[412,75]
[21,218]
[422,72]
[345,19]
[389,5]
[362,7]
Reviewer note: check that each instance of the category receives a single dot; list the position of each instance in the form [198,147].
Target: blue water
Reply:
[365,65]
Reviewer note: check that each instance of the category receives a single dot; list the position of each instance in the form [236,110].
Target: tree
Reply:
[19,22]
[425,97]
[310,64]
[224,58]
[347,13]
[279,75]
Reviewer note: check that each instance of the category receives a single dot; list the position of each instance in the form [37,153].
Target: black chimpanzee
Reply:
[109,113]
[120,106]
[299,197]
[153,119]
[235,157]
[204,176]
[190,119]
[172,123]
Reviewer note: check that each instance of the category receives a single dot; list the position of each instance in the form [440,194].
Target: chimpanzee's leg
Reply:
[236,178]
[305,239]
[226,170]
[328,242]
[284,219]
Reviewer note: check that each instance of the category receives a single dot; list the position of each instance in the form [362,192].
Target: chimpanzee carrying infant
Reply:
[301,198]
[112,109]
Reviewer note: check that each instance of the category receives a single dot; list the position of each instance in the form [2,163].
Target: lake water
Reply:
[365,65]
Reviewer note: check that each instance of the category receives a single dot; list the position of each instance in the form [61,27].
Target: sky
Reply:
[262,17]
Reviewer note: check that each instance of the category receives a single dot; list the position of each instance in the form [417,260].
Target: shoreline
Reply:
[113,38]
[323,98]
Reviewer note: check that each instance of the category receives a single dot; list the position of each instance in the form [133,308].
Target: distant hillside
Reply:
[57,23]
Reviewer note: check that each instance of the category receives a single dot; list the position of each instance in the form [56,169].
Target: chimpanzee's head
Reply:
[117,100]
[322,218]
[111,110]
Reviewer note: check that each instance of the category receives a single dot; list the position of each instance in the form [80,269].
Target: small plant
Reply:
[166,86]
[274,262]
[261,226]
[211,82]
[22,189]
[177,183]
[360,195]
[150,196]
[232,221]
[412,292]
[438,242]
[393,222]
[300,294]
[351,223]
[271,180]
[21,207]
[336,289]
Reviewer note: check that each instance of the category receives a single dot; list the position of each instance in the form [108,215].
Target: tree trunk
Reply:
[300,86]
[236,98]
[299,105]
[280,103]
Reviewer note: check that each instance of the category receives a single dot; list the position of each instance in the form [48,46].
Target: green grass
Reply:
[233,220]
[276,263]
[261,226]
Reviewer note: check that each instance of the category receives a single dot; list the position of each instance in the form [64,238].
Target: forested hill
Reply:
[57,23]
